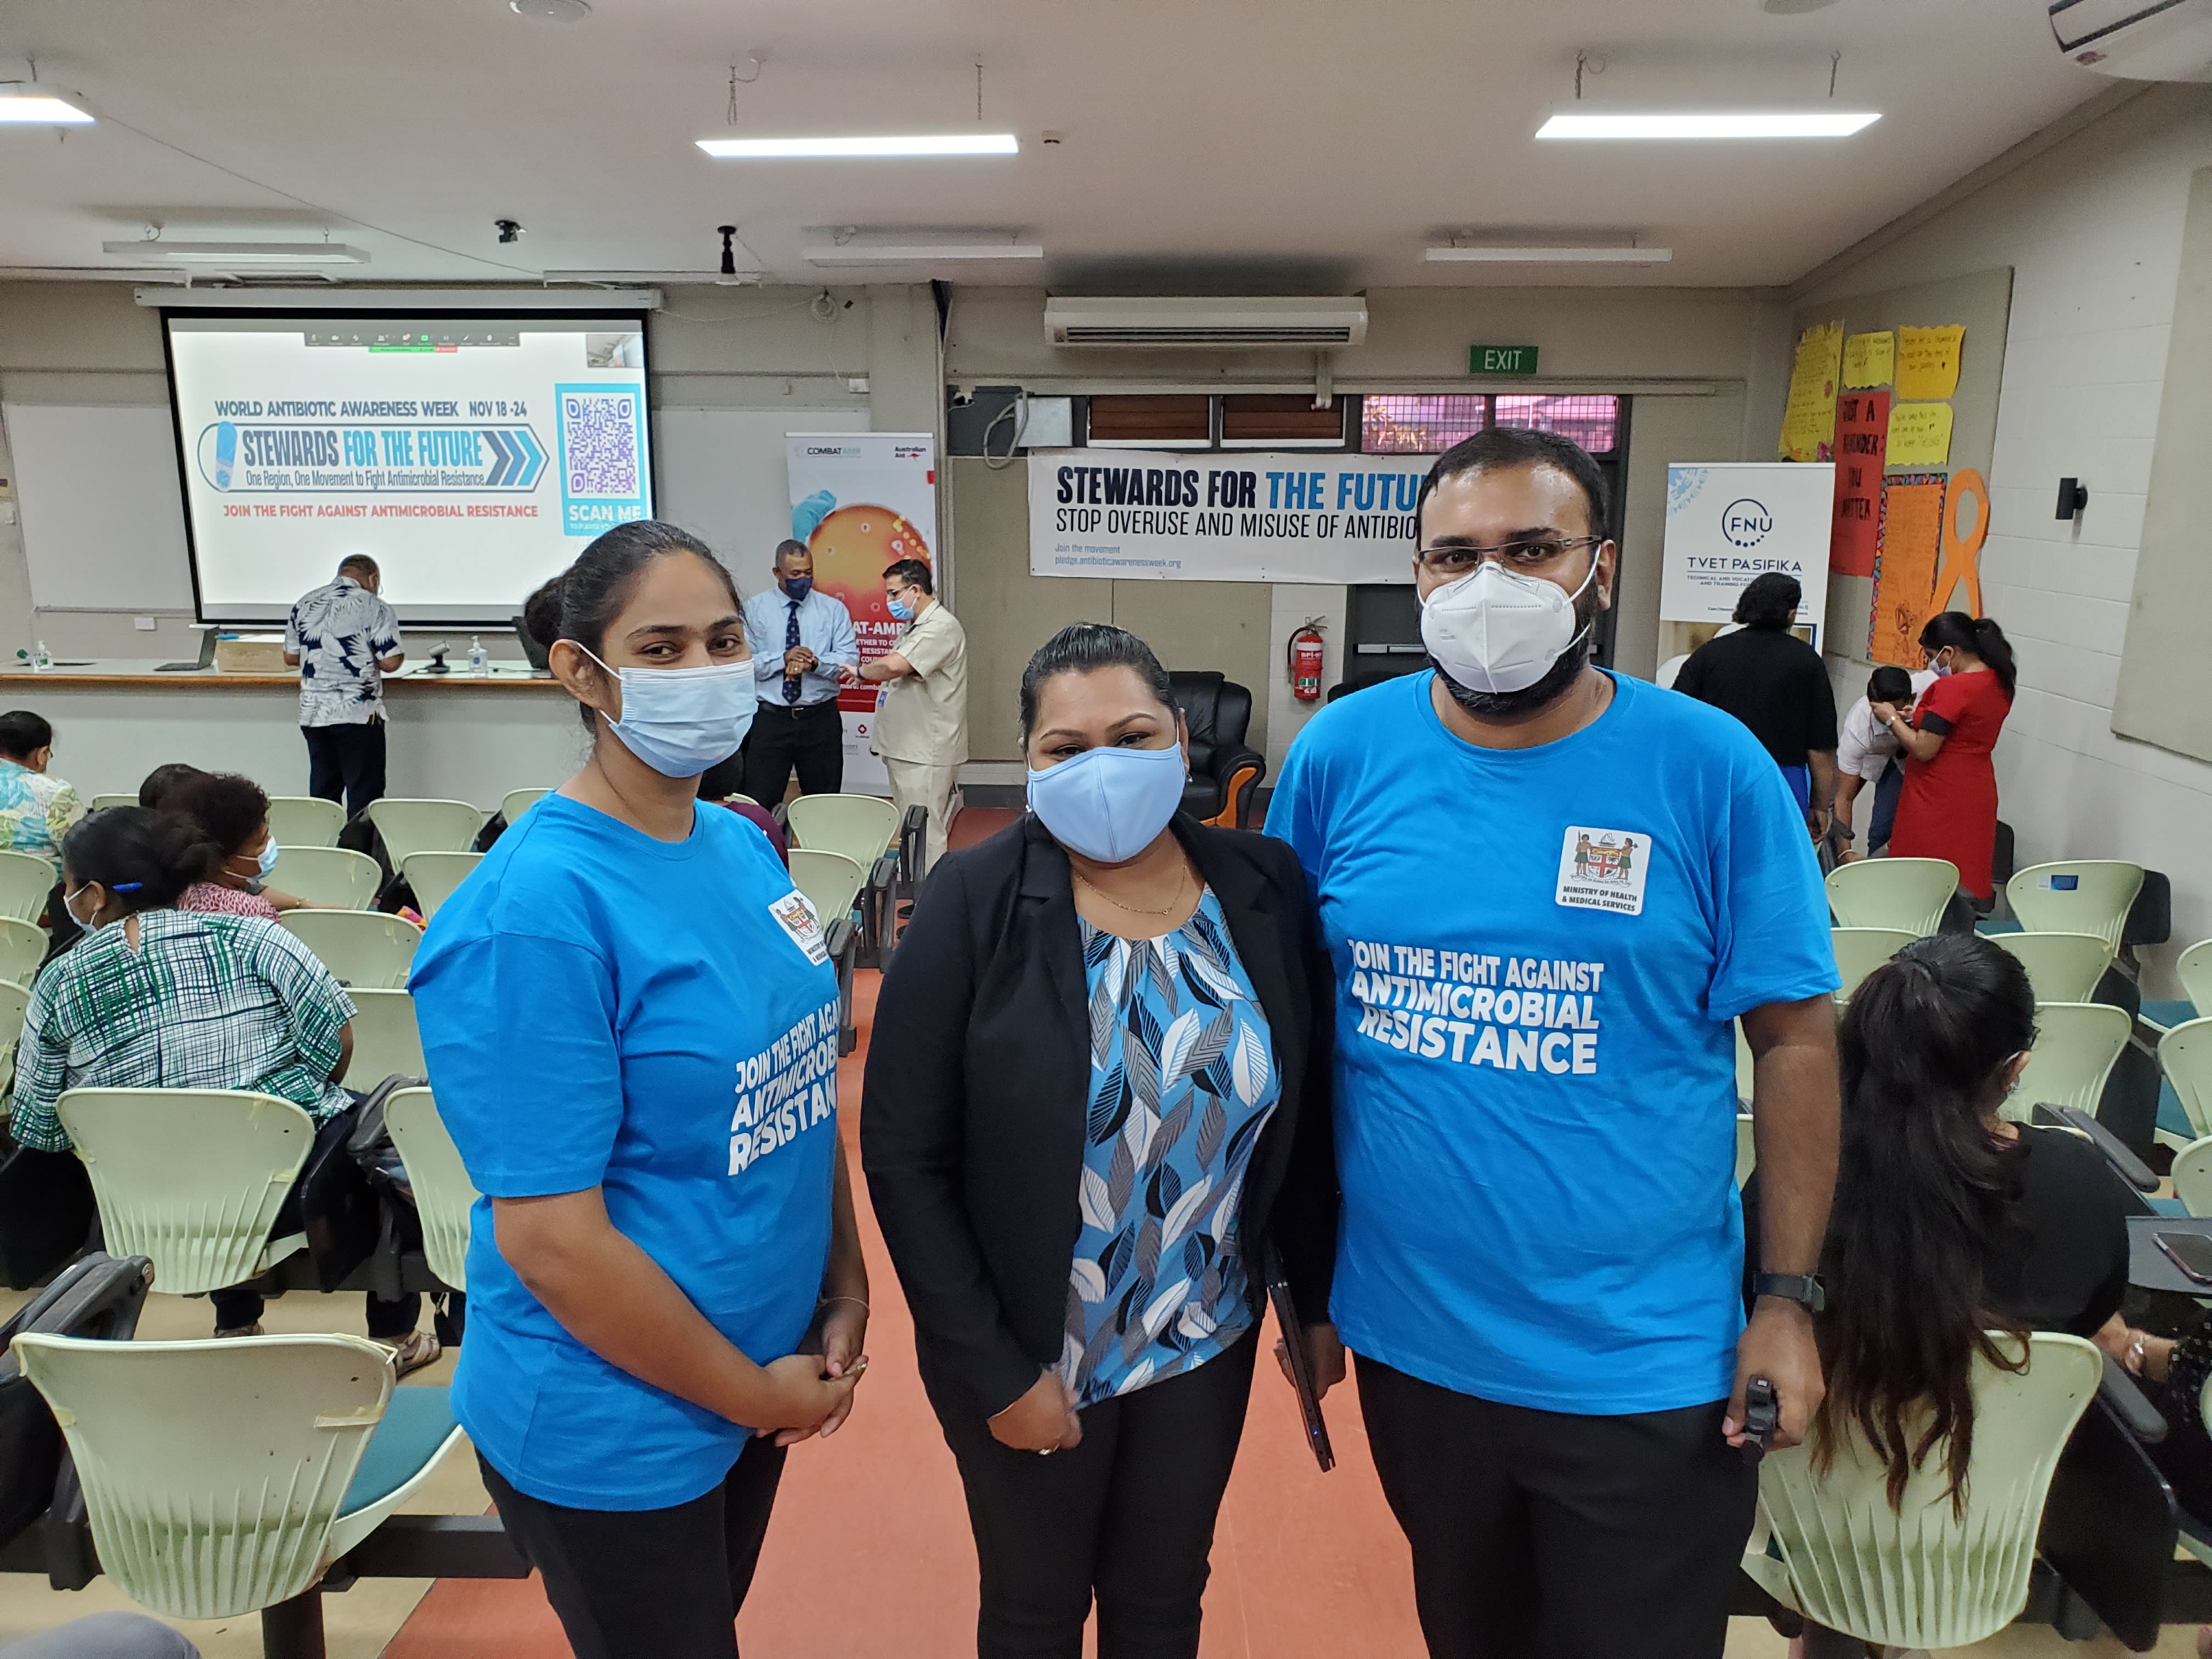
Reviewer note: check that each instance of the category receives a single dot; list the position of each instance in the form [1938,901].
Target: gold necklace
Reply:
[1183,875]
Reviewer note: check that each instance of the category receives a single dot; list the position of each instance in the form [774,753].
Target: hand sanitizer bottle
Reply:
[479,659]
[41,659]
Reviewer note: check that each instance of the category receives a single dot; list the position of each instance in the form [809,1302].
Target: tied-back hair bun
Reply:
[147,859]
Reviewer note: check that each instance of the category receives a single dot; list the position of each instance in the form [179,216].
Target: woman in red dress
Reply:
[1949,809]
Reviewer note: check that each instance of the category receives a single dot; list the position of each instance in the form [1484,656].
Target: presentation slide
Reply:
[471,457]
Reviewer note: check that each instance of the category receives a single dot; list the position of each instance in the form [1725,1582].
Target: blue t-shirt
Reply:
[602,1009]
[1538,952]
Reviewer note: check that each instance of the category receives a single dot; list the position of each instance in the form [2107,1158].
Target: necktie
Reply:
[791,643]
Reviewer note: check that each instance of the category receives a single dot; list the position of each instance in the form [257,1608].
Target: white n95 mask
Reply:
[1497,630]
[680,721]
[1109,803]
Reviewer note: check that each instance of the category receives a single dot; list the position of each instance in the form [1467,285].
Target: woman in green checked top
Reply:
[152,997]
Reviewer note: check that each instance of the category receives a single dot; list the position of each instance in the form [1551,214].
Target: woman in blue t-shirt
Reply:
[1090,1094]
[631,1024]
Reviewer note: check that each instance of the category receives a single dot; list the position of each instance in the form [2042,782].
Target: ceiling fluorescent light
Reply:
[1777,124]
[27,103]
[926,143]
[239,253]
[902,253]
[1568,254]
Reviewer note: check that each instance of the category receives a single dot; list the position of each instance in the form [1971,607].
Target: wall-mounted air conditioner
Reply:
[2137,40]
[1311,325]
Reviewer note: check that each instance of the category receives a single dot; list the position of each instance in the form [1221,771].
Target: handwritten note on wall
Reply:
[1808,419]
[1928,361]
[1861,441]
[1905,569]
[1920,435]
[1869,359]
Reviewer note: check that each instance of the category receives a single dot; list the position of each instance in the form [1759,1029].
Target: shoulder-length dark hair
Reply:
[1921,1188]
[1979,635]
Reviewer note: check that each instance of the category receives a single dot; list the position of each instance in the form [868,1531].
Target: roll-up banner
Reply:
[861,501]
[1242,516]
[1729,522]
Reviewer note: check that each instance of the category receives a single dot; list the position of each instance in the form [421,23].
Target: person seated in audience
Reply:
[724,784]
[235,812]
[36,808]
[1865,753]
[154,997]
[161,780]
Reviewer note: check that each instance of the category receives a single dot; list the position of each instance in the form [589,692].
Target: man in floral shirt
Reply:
[345,640]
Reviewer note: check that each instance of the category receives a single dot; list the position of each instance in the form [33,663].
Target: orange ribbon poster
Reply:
[1862,437]
[1904,567]
[1961,562]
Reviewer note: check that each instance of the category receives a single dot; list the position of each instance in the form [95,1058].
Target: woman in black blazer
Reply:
[1096,1082]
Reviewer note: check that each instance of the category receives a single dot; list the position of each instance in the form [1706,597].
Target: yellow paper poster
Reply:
[1920,435]
[1808,419]
[1928,361]
[1869,359]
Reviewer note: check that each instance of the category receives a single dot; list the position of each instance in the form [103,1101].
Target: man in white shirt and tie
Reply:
[799,640]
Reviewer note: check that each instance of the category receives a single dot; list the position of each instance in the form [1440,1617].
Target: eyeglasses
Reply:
[1538,554]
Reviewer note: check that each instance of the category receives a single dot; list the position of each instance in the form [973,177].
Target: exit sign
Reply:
[1501,360]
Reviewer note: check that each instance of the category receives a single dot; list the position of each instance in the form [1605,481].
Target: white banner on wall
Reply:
[1242,516]
[1728,521]
[860,502]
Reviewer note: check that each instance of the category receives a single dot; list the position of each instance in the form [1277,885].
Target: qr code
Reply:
[598,447]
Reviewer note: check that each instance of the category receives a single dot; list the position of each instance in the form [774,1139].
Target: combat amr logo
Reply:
[256,458]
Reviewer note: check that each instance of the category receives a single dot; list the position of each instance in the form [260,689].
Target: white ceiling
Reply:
[1287,145]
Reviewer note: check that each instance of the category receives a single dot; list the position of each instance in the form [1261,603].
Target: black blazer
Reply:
[979,1079]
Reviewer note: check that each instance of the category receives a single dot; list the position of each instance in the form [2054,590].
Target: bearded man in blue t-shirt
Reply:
[1548,891]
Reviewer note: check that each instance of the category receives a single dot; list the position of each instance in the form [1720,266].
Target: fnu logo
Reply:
[1745,522]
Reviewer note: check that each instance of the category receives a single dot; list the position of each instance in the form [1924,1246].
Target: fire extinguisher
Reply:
[1305,661]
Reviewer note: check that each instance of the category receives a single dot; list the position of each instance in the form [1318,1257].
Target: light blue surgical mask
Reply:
[1109,803]
[680,721]
[266,857]
[899,609]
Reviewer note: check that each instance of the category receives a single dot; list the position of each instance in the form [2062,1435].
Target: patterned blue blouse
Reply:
[1183,1079]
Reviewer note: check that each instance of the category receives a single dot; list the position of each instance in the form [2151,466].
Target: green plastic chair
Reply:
[24,881]
[1745,1066]
[1859,951]
[2194,969]
[434,876]
[516,802]
[363,948]
[858,826]
[22,948]
[409,827]
[14,999]
[386,1040]
[2076,895]
[1916,1576]
[1909,895]
[327,877]
[1746,1154]
[102,803]
[2185,1055]
[305,820]
[2076,1045]
[224,1477]
[2061,967]
[831,881]
[444,1195]
[190,1179]
[2193,1176]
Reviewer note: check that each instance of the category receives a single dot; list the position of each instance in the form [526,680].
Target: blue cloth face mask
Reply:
[899,609]
[680,721]
[796,587]
[1109,803]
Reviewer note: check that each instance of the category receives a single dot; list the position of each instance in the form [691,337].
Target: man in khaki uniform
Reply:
[921,727]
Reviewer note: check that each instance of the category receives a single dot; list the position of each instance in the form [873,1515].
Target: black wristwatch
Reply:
[1803,1288]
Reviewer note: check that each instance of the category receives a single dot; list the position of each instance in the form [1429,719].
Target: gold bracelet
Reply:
[825,1301]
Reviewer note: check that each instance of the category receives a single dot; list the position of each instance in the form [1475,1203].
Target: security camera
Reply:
[509,230]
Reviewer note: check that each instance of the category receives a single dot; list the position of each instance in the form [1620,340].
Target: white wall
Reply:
[2092,231]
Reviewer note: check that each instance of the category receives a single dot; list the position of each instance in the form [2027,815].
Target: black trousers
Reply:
[346,763]
[650,1583]
[242,1305]
[1129,1513]
[810,736]
[1542,1535]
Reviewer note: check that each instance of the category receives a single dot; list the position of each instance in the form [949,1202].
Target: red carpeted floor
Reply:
[869,1556]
